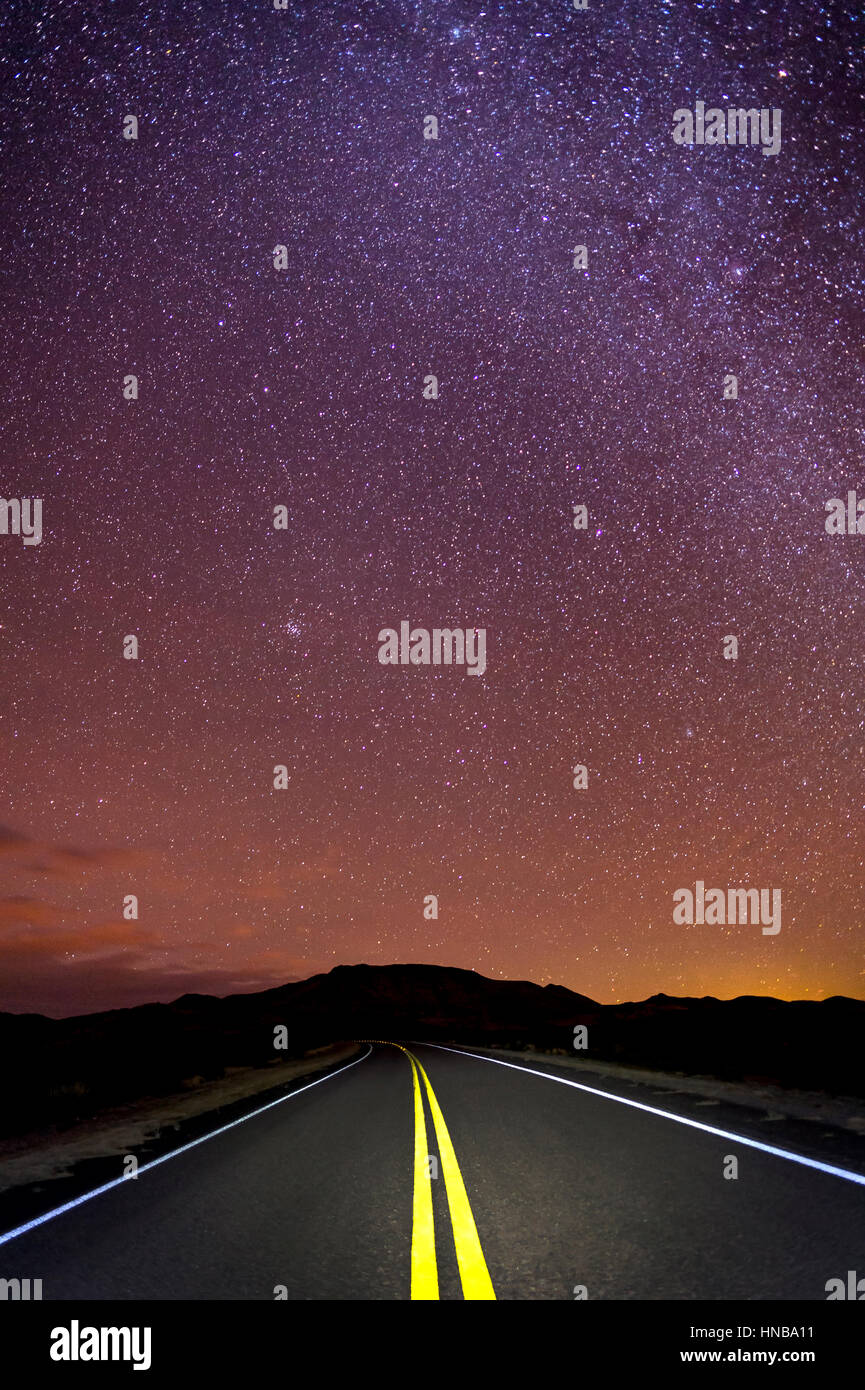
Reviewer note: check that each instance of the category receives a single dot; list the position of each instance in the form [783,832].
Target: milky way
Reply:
[303,388]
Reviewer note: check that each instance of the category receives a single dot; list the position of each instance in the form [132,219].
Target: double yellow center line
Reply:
[474,1275]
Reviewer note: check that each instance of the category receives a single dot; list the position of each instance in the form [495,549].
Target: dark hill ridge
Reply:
[61,1070]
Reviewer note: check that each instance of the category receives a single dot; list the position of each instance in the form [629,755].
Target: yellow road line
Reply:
[424,1273]
[474,1275]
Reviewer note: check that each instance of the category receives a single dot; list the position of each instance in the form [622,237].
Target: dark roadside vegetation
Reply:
[59,1072]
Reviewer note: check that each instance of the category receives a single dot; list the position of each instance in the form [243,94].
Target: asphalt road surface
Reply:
[431,1173]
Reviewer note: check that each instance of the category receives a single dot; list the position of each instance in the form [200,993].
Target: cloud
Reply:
[12,841]
[68,861]
[77,939]
[33,911]
[86,986]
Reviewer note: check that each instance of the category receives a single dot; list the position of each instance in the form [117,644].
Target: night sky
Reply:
[304,388]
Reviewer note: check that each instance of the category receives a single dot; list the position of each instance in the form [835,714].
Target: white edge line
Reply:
[666,1115]
[184,1148]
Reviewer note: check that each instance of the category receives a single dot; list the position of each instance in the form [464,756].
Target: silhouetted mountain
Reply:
[60,1070]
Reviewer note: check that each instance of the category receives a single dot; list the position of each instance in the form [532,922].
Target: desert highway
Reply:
[426,1172]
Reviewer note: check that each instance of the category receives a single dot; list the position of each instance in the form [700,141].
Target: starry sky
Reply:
[303,388]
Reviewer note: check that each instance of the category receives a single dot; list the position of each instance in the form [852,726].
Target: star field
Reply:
[303,388]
